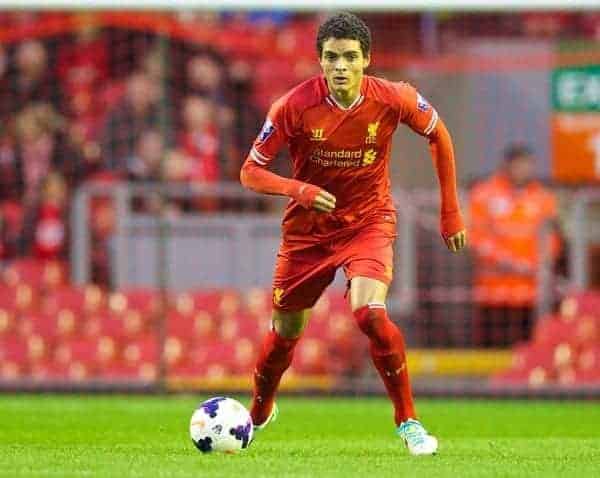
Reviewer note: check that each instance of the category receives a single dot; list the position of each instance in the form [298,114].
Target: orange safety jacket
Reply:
[506,230]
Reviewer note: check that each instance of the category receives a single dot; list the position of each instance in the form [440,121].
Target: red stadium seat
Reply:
[107,351]
[147,302]
[528,356]
[540,364]
[244,356]
[39,349]
[129,324]
[587,330]
[19,355]
[78,350]
[50,327]
[143,349]
[230,303]
[80,300]
[553,330]
[145,372]
[188,303]
[179,325]
[105,324]
[17,299]
[51,371]
[37,273]
[251,327]
[238,326]
[13,348]
[12,370]
[7,322]
[175,351]
[311,357]
[588,365]
[584,303]
[257,302]
[199,327]
[212,360]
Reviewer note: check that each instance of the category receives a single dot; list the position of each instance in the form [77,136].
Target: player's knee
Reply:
[290,324]
[370,319]
[364,291]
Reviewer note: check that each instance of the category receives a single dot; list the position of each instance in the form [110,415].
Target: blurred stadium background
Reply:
[131,259]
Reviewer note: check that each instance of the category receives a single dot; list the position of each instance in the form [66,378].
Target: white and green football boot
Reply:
[416,438]
[272,418]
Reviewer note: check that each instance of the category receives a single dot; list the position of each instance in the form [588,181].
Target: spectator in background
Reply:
[199,140]
[38,149]
[155,64]
[11,224]
[137,112]
[146,163]
[83,72]
[196,159]
[508,213]
[50,233]
[206,78]
[150,163]
[3,61]
[82,68]
[30,81]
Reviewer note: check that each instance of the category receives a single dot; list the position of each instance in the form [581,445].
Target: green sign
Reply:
[577,89]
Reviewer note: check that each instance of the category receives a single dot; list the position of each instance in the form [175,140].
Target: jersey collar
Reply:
[334,103]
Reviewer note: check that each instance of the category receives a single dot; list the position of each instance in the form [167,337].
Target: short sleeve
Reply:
[273,135]
[415,110]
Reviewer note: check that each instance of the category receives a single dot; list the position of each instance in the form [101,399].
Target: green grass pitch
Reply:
[147,437]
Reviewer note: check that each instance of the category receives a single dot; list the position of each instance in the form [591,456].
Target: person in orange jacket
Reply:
[512,215]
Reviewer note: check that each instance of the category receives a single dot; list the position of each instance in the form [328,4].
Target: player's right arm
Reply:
[256,176]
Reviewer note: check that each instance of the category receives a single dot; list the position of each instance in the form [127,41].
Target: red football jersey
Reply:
[345,151]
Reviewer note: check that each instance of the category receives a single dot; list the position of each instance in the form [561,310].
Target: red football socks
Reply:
[389,357]
[275,357]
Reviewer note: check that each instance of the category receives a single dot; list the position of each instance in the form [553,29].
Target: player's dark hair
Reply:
[516,150]
[347,26]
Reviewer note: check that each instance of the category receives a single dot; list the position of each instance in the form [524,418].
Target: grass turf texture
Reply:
[147,436]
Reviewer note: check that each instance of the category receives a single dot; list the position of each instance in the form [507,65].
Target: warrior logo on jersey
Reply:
[317,134]
[372,133]
[422,104]
[267,130]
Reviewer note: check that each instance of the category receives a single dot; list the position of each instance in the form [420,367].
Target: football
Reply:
[221,424]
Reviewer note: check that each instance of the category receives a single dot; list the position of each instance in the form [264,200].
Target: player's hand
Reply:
[324,201]
[313,197]
[457,241]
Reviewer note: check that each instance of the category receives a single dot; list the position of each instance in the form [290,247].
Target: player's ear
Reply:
[367,61]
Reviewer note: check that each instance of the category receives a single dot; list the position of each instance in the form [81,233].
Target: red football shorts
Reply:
[303,271]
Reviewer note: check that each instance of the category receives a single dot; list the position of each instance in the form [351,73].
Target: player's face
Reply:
[343,64]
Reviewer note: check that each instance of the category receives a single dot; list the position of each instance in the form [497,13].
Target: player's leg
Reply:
[274,359]
[368,262]
[300,278]
[367,299]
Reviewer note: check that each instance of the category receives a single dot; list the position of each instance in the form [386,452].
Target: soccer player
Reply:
[338,127]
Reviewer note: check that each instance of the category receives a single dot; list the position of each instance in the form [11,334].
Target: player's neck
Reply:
[345,98]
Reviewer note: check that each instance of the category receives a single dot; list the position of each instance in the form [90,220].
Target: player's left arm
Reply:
[451,222]
[422,118]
